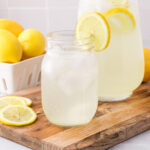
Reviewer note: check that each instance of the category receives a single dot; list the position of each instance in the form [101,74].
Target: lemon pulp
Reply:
[17,115]
[16,99]
[4,102]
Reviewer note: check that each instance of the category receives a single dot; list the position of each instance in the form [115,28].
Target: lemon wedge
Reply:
[16,100]
[120,20]
[94,24]
[17,115]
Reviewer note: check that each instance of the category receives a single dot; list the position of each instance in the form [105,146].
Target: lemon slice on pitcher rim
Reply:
[94,24]
[120,20]
[16,100]
[17,115]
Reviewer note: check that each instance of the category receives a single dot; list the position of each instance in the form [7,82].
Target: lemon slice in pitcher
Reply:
[118,2]
[94,24]
[120,20]
[17,115]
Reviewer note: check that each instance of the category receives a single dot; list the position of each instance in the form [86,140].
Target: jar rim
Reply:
[68,37]
[63,33]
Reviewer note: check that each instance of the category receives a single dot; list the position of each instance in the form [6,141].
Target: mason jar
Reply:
[69,80]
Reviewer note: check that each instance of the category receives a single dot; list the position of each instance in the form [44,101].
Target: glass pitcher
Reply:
[69,80]
[121,65]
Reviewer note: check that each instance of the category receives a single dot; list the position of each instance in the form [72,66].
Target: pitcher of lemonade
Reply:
[115,27]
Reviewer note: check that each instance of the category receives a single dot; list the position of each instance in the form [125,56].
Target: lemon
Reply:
[94,24]
[11,26]
[6,101]
[33,43]
[147,64]
[10,48]
[16,100]
[118,2]
[121,20]
[17,115]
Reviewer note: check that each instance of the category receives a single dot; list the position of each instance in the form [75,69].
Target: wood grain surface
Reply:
[112,124]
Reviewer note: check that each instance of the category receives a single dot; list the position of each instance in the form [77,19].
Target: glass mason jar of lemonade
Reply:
[121,63]
[69,80]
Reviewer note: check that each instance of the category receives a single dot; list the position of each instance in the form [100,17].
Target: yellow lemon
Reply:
[17,115]
[10,48]
[11,26]
[33,43]
[147,64]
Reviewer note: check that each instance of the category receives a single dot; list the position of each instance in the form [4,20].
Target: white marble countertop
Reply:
[140,142]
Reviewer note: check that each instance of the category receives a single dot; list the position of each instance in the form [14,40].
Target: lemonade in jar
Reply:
[121,62]
[69,80]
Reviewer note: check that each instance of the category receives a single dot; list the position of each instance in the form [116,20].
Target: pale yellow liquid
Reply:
[69,88]
[121,65]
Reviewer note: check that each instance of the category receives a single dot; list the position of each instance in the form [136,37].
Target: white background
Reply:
[44,15]
[52,15]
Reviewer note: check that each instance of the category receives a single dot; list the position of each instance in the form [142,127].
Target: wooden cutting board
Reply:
[113,123]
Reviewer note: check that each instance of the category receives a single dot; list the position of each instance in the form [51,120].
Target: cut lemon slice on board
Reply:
[6,101]
[120,19]
[118,2]
[16,100]
[17,115]
[94,24]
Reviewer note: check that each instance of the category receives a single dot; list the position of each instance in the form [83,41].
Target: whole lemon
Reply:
[10,48]
[147,65]
[11,26]
[33,43]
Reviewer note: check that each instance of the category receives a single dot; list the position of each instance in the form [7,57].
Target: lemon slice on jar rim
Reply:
[17,115]
[94,24]
[120,20]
